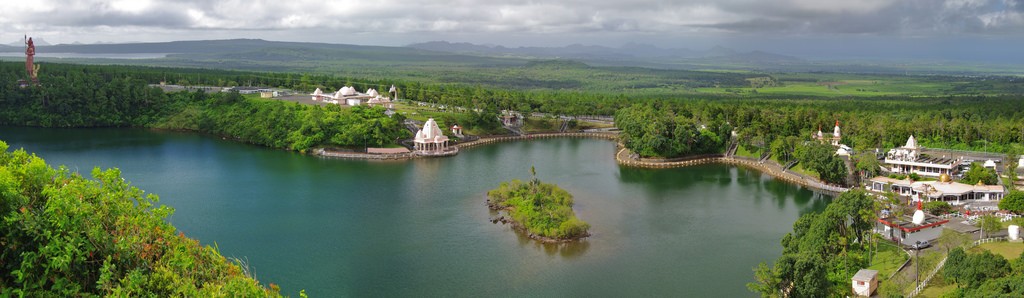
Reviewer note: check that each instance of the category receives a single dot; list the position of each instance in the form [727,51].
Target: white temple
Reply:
[833,139]
[908,159]
[376,99]
[348,95]
[430,138]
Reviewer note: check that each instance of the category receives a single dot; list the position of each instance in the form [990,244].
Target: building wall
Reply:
[866,289]
[909,239]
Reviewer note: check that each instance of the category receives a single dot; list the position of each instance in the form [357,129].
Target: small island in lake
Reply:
[542,210]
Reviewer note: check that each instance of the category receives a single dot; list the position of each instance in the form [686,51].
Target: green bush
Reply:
[1013,202]
[65,235]
[937,208]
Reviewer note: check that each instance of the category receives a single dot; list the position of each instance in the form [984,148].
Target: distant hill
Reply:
[207,47]
[641,53]
[38,41]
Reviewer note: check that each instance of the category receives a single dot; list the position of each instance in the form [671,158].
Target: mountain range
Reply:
[35,40]
[627,52]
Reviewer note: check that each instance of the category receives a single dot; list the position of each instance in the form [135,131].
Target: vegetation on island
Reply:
[64,235]
[541,209]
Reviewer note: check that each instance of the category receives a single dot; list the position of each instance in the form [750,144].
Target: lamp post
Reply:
[917,263]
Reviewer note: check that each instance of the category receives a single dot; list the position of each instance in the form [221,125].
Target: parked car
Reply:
[922,245]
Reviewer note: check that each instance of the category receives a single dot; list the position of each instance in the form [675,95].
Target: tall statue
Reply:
[30,52]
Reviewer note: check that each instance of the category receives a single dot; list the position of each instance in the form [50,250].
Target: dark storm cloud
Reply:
[557,17]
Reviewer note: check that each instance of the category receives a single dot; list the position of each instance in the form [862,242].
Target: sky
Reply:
[943,28]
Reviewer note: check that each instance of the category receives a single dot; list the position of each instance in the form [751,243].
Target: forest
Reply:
[65,235]
[112,96]
[88,95]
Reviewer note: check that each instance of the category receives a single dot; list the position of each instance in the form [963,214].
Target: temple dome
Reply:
[911,143]
[372,92]
[317,92]
[944,178]
[347,91]
[918,218]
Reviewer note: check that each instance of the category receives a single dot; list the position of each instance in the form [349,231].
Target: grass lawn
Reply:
[541,124]
[888,259]
[937,288]
[1010,251]
[740,151]
[800,169]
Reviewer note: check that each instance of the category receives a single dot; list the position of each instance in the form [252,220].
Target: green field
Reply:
[1010,251]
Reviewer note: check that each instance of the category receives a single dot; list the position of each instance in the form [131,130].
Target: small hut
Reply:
[865,282]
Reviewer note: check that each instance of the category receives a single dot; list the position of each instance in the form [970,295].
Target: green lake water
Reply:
[420,228]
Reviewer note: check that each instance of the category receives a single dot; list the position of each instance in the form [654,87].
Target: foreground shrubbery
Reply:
[543,209]
[823,252]
[66,236]
[984,274]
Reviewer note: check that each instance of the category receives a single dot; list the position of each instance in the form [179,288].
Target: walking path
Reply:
[622,157]
[770,168]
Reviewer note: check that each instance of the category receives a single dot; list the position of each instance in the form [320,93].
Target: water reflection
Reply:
[419,228]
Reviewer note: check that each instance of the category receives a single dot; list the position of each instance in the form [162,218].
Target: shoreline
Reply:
[621,157]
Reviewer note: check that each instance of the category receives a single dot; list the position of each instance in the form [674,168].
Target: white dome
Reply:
[372,92]
[918,218]
[318,92]
[348,91]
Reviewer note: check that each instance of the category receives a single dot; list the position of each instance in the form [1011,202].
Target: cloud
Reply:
[521,17]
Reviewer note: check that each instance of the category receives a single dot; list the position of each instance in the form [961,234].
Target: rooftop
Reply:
[904,223]
[865,275]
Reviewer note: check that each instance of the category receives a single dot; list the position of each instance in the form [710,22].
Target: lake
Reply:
[420,228]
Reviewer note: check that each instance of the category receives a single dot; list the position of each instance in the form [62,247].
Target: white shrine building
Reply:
[945,189]
[350,96]
[908,159]
[430,139]
[831,139]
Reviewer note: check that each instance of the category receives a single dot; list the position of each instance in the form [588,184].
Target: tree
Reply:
[867,164]
[950,239]
[979,173]
[971,270]
[1013,202]
[937,207]
[809,266]
[989,224]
